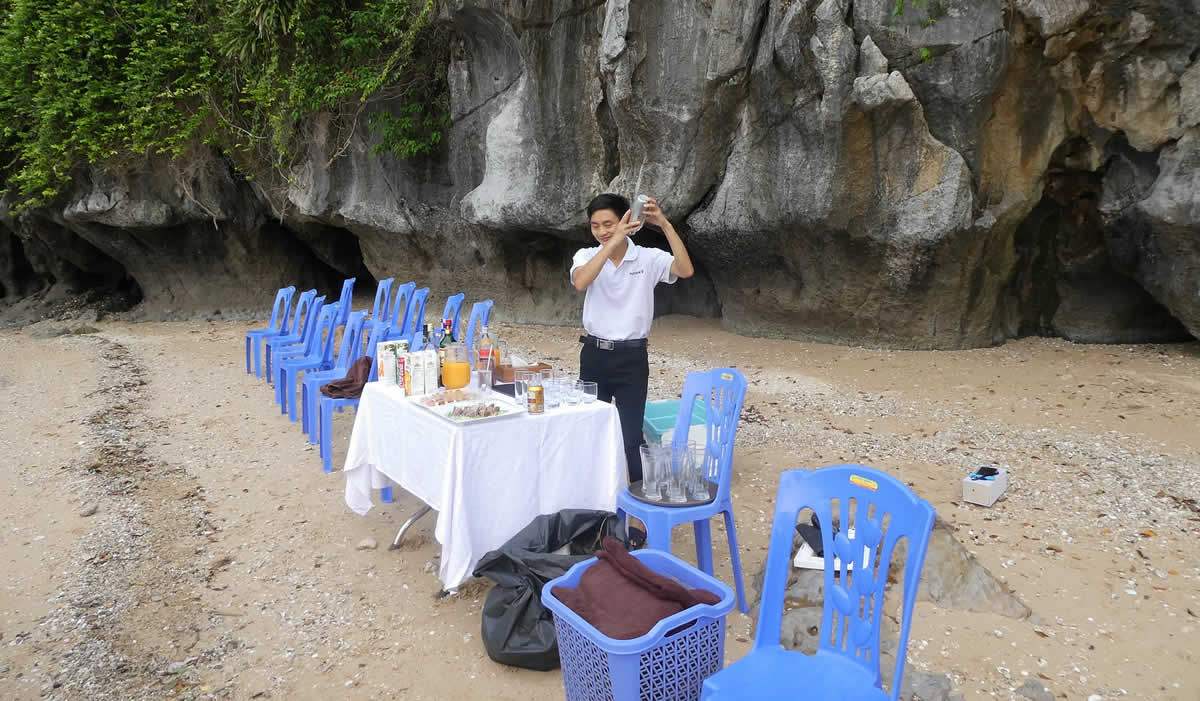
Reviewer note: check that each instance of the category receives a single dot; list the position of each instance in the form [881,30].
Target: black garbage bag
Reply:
[517,628]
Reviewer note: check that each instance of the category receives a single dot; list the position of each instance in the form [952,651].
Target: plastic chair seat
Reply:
[786,675]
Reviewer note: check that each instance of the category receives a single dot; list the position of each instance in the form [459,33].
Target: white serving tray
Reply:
[508,408]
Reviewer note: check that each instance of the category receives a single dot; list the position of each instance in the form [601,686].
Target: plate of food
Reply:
[470,407]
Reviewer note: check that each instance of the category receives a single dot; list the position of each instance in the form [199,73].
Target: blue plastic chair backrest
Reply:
[416,319]
[453,312]
[300,314]
[351,346]
[882,510]
[345,301]
[281,308]
[480,313]
[379,333]
[312,325]
[402,306]
[318,339]
[722,392]
[382,309]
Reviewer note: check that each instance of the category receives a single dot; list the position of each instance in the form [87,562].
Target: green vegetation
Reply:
[108,81]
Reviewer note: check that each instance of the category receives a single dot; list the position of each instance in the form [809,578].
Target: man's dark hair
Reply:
[619,205]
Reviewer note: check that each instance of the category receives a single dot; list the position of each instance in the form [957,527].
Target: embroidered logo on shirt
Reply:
[637,272]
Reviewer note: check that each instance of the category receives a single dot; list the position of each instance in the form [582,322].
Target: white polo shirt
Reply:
[619,304]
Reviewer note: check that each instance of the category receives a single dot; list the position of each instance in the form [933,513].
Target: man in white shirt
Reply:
[619,279]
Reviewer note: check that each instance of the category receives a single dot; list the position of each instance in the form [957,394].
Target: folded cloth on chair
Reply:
[623,598]
[350,386]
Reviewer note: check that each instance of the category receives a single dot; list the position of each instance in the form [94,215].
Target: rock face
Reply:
[949,176]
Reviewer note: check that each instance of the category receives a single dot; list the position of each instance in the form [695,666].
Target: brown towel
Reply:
[623,598]
[350,386]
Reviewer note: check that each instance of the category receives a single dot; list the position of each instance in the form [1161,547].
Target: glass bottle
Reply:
[484,350]
[447,339]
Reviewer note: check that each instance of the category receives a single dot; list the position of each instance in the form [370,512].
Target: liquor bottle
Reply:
[447,339]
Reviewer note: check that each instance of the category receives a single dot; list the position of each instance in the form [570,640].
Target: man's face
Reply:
[604,225]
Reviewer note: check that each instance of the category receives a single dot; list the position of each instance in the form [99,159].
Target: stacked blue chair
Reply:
[349,351]
[723,391]
[295,334]
[381,311]
[481,312]
[317,356]
[281,350]
[846,665]
[278,324]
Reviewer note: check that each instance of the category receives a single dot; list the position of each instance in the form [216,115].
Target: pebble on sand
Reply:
[89,509]
[367,544]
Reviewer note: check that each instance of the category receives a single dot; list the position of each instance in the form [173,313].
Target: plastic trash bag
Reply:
[517,630]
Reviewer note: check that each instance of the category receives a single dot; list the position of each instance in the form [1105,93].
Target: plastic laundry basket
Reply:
[666,663]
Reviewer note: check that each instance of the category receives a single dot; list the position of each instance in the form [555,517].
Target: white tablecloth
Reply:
[487,480]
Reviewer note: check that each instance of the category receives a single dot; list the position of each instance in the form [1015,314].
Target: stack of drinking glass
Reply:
[674,476]
[558,388]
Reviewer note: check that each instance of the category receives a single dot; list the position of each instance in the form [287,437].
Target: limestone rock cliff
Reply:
[949,176]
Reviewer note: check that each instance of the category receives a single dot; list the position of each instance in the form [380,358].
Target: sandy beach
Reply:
[170,534]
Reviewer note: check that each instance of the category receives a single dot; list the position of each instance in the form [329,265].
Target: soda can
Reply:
[402,373]
[536,398]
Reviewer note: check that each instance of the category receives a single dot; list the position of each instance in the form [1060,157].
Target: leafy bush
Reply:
[107,81]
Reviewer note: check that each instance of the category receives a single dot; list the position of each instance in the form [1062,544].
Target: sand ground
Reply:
[220,561]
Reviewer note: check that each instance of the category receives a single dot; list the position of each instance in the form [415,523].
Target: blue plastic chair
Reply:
[480,313]
[846,664]
[311,345]
[327,405]
[319,356]
[401,304]
[723,390]
[416,320]
[345,301]
[295,334]
[381,310]
[351,349]
[281,352]
[279,321]
[453,312]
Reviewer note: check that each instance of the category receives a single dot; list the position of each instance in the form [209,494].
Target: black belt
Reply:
[605,344]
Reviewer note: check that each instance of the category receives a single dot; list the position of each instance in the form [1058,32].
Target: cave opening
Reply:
[1067,282]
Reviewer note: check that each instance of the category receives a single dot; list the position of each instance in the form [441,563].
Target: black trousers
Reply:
[623,377]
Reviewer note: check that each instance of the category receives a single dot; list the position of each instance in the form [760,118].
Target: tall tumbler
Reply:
[651,473]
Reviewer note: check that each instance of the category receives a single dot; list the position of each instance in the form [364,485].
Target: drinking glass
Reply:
[650,472]
[483,379]
[590,391]
[697,480]
[573,391]
[679,467]
[521,382]
[551,389]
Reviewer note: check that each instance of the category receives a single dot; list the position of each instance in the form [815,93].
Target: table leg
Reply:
[408,524]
